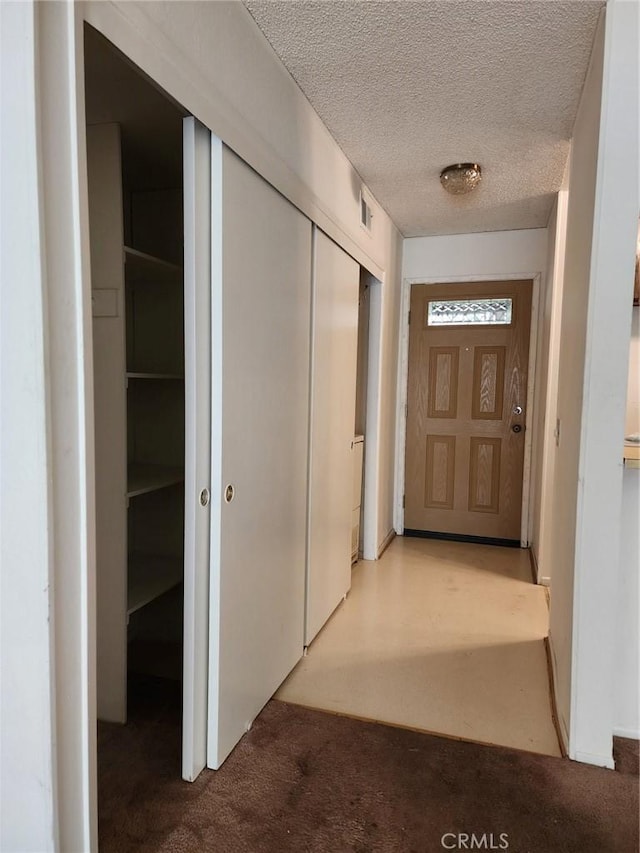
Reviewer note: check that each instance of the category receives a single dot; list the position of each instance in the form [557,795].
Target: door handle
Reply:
[517,410]
[516,428]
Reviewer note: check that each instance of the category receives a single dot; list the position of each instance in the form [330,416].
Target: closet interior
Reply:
[134,164]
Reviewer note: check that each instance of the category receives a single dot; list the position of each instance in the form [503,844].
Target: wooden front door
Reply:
[466,408]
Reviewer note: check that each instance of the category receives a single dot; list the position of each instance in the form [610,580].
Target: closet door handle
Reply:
[204,497]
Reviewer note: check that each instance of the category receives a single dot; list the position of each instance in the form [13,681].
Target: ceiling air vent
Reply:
[365,212]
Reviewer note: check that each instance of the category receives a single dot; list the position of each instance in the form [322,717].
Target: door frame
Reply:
[403,376]
[370,545]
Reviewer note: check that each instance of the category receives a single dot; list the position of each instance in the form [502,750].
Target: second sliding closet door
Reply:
[333,411]
[197,328]
[261,310]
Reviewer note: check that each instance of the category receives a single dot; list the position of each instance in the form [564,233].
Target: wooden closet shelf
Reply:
[142,478]
[133,375]
[149,576]
[143,266]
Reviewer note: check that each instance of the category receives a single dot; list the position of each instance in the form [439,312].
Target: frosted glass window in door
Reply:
[469,312]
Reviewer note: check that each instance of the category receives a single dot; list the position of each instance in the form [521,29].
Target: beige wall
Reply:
[388,395]
[546,393]
[542,414]
[571,366]
[594,344]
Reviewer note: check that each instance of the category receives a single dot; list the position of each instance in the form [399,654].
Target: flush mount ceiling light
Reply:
[461,178]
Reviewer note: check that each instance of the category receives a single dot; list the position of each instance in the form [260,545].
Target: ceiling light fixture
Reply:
[461,178]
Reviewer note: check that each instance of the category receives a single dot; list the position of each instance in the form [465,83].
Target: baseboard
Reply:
[388,539]
[631,734]
[459,537]
[533,562]
[595,759]
[535,567]
[562,735]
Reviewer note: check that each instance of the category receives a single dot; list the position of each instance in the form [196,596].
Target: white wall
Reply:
[27,786]
[489,253]
[600,248]
[50,515]
[543,412]
[570,375]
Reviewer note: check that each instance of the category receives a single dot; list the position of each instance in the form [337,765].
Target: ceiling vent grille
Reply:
[365,212]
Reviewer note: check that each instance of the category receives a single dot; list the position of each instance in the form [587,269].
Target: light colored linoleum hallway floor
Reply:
[444,637]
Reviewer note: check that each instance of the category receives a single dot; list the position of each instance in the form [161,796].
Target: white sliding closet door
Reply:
[197,342]
[333,405]
[261,329]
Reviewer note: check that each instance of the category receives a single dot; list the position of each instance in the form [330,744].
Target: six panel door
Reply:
[466,409]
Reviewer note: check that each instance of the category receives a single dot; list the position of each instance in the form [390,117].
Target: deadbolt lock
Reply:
[516,428]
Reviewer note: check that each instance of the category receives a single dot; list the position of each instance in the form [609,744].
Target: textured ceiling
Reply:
[407,88]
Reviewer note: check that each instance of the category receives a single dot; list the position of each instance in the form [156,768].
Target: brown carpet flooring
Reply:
[311,782]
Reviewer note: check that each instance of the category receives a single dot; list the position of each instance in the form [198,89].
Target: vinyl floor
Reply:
[442,637]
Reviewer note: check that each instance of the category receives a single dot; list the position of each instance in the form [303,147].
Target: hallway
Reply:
[443,637]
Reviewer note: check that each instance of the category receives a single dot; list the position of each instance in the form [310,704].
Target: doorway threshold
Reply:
[461,537]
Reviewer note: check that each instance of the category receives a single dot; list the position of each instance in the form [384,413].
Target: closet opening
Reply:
[135,184]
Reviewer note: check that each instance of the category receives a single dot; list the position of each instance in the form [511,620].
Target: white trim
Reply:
[547,440]
[401,411]
[403,374]
[526,523]
[311,411]
[27,699]
[372,424]
[595,759]
[215,541]
[388,539]
[69,391]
